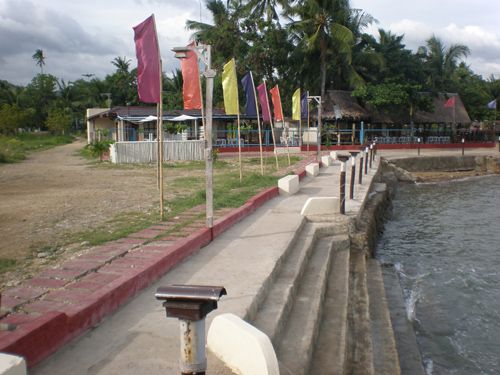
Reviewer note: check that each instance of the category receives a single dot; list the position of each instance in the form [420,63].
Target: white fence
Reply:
[146,151]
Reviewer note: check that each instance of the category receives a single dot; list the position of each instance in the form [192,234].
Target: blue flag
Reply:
[492,104]
[304,107]
[248,86]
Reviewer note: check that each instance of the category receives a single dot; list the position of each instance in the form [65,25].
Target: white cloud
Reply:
[484,44]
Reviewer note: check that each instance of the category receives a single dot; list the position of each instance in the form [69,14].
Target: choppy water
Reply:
[445,241]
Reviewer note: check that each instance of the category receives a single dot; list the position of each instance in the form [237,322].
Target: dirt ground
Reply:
[55,192]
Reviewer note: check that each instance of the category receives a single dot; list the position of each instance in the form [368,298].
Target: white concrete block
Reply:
[321,206]
[333,155]
[312,169]
[12,365]
[289,184]
[326,160]
[243,348]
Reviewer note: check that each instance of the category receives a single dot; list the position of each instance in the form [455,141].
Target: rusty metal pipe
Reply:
[193,360]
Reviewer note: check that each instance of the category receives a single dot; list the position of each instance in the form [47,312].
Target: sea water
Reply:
[444,239]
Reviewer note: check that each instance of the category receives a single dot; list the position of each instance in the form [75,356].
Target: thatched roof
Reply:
[441,114]
[347,106]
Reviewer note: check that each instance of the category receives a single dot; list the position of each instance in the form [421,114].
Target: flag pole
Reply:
[258,126]
[308,123]
[284,128]
[202,109]
[239,144]
[272,128]
[160,127]
[157,147]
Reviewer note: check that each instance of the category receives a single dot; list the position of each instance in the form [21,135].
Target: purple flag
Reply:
[248,86]
[264,101]
[304,107]
[148,61]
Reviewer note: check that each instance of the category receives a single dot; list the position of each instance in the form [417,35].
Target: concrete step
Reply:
[294,349]
[274,309]
[385,355]
[359,338]
[410,359]
[330,351]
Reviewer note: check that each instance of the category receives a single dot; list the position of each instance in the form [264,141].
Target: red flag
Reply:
[264,102]
[276,98]
[148,61]
[191,91]
[450,102]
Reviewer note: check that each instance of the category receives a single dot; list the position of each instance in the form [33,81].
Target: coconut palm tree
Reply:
[319,31]
[39,57]
[122,64]
[266,9]
[441,62]
[225,35]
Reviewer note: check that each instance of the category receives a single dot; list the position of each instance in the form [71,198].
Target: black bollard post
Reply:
[371,155]
[342,159]
[361,161]
[366,160]
[353,173]
[463,146]
[418,146]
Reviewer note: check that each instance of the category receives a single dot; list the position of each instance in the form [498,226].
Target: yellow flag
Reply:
[296,105]
[230,88]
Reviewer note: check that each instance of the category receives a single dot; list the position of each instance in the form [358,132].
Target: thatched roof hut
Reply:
[339,103]
[441,114]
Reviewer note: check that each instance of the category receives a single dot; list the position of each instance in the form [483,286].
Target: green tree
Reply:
[225,35]
[39,95]
[441,62]
[58,121]
[122,84]
[12,117]
[319,31]
[39,58]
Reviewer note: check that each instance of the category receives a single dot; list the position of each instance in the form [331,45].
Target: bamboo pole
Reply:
[258,126]
[272,128]
[160,127]
[239,145]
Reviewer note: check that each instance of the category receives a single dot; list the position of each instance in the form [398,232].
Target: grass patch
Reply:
[6,264]
[15,148]
[118,227]
[189,191]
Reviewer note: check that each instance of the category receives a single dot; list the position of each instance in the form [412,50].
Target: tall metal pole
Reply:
[209,75]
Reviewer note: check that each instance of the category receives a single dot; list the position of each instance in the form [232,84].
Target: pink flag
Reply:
[276,98]
[148,61]
[264,101]
[191,91]
[450,102]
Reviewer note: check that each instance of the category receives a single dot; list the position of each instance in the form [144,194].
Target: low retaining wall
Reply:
[146,151]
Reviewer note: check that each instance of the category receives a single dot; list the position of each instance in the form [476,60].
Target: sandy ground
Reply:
[55,192]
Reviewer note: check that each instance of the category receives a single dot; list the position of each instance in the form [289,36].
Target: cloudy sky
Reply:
[82,37]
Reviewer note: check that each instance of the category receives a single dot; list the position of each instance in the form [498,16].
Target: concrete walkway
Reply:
[139,339]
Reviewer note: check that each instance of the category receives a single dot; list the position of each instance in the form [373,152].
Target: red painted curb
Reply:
[38,337]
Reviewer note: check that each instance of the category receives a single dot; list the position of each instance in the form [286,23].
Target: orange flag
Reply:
[276,98]
[191,91]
